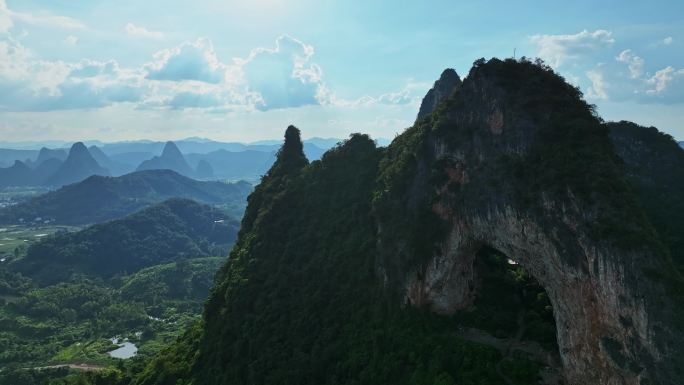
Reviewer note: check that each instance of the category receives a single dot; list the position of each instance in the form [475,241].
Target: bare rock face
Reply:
[443,88]
[516,161]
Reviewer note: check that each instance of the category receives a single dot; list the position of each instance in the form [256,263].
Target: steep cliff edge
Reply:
[354,269]
[516,161]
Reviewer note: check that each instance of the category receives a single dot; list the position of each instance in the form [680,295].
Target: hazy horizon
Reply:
[56,143]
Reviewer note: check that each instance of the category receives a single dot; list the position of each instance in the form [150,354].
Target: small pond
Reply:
[126,349]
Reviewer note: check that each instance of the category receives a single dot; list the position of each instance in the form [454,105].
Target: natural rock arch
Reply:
[598,323]
[528,170]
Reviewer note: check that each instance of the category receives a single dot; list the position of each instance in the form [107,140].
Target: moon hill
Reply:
[508,236]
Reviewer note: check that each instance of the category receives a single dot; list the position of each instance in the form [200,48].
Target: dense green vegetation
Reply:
[172,230]
[574,153]
[71,322]
[143,278]
[99,199]
[654,164]
[510,301]
[182,283]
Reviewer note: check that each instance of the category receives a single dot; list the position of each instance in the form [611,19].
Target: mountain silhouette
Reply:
[170,159]
[79,165]
[99,199]
[19,174]
[47,154]
[204,169]
[115,168]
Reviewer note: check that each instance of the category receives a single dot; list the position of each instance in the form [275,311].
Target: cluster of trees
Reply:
[509,299]
[60,323]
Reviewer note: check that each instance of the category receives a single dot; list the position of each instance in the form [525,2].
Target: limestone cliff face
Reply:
[443,88]
[514,160]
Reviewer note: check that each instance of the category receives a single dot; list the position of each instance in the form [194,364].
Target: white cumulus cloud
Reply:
[598,89]
[188,76]
[662,80]
[30,84]
[634,63]
[556,49]
[283,76]
[190,61]
[665,86]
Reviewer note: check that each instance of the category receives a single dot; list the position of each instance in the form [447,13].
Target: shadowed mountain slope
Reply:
[99,199]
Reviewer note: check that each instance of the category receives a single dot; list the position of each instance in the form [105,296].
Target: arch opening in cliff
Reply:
[511,309]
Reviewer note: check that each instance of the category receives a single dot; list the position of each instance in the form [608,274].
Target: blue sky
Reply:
[244,70]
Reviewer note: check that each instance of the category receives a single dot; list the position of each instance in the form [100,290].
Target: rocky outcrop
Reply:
[443,88]
[516,161]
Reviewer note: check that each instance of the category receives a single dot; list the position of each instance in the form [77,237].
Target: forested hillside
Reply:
[99,199]
[171,231]
[142,279]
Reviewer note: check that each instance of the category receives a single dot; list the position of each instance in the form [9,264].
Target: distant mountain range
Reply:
[98,199]
[46,154]
[52,168]
[185,145]
[193,157]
